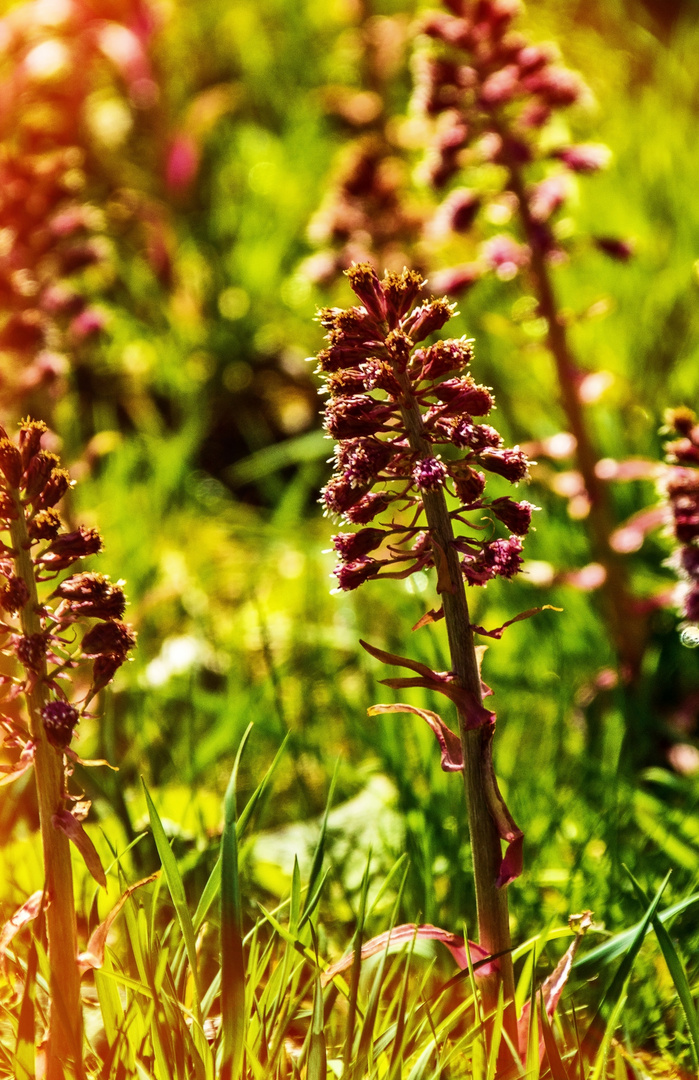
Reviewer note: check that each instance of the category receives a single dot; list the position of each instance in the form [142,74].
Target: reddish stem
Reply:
[65,1024]
[491,901]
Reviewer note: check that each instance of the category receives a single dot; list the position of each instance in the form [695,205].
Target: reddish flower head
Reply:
[385,456]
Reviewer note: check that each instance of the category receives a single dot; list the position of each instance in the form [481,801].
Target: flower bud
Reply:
[352,546]
[367,508]
[429,473]
[10,462]
[340,494]
[54,490]
[44,526]
[463,396]
[457,280]
[92,596]
[469,486]
[104,669]
[60,720]
[30,650]
[30,439]
[346,417]
[38,471]
[111,638]
[401,291]
[362,460]
[427,319]
[365,284]
[501,86]
[512,464]
[14,594]
[584,158]
[621,250]
[353,574]
[63,551]
[557,86]
[443,358]
[517,516]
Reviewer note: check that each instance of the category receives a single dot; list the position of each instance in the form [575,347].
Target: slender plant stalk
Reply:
[65,1026]
[390,442]
[491,901]
[627,629]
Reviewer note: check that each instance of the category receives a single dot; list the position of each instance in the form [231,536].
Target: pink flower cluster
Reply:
[52,58]
[682,488]
[398,410]
[490,92]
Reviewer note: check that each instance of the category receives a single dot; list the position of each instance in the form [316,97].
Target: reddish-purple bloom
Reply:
[351,546]
[60,720]
[429,473]
[353,574]
[517,516]
[682,490]
[384,454]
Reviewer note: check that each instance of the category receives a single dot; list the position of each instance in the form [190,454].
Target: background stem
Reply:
[627,628]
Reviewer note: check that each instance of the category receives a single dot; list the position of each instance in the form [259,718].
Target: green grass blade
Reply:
[303,949]
[422,1064]
[553,1055]
[317,1051]
[295,902]
[319,853]
[213,884]
[372,1009]
[356,972]
[677,971]
[616,990]
[532,1054]
[23,1058]
[609,950]
[177,893]
[395,1069]
[294,451]
[611,1026]
[496,1035]
[251,805]
[209,894]
[233,1018]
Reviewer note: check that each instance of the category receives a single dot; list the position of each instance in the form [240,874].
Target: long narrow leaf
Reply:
[356,972]
[317,1052]
[213,885]
[615,991]
[615,946]
[23,1059]
[678,973]
[319,853]
[177,893]
[233,1019]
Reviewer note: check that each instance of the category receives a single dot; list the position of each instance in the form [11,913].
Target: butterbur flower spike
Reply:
[681,489]
[411,465]
[388,455]
[45,637]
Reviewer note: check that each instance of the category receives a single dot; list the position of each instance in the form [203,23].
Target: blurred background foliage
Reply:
[190,418]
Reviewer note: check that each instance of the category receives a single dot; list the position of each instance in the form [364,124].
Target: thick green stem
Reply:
[65,1025]
[628,631]
[486,848]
